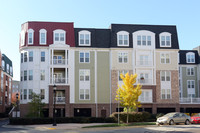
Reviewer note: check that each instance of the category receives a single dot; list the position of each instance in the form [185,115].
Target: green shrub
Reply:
[133,116]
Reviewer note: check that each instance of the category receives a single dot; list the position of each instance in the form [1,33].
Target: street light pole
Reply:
[54,107]
[17,95]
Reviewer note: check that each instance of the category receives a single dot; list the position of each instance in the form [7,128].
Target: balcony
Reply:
[59,62]
[144,63]
[59,80]
[189,100]
[60,100]
[145,81]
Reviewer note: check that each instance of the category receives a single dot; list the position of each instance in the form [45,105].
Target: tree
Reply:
[35,106]
[128,93]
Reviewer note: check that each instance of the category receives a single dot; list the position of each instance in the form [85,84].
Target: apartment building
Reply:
[6,72]
[85,64]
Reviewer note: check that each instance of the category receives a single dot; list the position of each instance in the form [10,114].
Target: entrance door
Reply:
[103,113]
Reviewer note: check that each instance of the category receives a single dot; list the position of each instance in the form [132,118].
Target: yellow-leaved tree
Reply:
[128,93]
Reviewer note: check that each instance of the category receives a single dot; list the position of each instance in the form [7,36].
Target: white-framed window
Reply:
[191,88]
[30,91]
[84,57]
[30,56]
[7,68]
[123,72]
[25,94]
[3,64]
[144,60]
[58,59]
[122,57]
[146,96]
[25,56]
[190,57]
[25,75]
[42,56]
[84,38]
[84,75]
[144,78]
[165,75]
[190,71]
[30,77]
[84,94]
[59,36]
[122,38]
[43,36]
[143,40]
[165,93]
[165,39]
[190,84]
[164,58]
[30,36]
[42,93]
[42,75]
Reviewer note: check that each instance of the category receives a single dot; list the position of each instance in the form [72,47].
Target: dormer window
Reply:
[59,36]
[190,57]
[30,36]
[84,38]
[123,38]
[43,33]
[165,39]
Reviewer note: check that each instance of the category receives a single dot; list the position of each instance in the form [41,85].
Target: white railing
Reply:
[189,100]
[60,100]
[144,63]
[145,99]
[59,61]
[145,81]
[59,81]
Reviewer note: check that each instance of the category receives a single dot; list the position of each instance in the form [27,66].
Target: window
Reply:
[191,88]
[7,68]
[122,57]
[144,60]
[123,38]
[190,84]
[84,75]
[11,70]
[42,93]
[22,57]
[25,94]
[165,75]
[165,93]
[164,58]
[84,38]
[165,39]
[144,78]
[43,36]
[30,91]
[146,96]
[30,56]
[121,72]
[84,57]
[30,75]
[190,57]
[84,94]
[25,75]
[42,75]
[190,71]
[59,36]
[21,75]
[25,56]
[42,56]
[143,40]
[30,36]
[3,64]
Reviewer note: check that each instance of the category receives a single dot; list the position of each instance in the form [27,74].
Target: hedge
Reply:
[133,116]
[31,121]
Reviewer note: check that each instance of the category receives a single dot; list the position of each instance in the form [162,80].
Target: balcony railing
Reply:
[60,100]
[145,99]
[59,80]
[144,63]
[189,100]
[145,81]
[59,61]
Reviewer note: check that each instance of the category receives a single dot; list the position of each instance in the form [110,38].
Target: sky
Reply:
[185,14]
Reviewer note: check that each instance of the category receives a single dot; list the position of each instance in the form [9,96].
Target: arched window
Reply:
[59,36]
[84,38]
[122,38]
[30,36]
[165,39]
[43,36]
[190,57]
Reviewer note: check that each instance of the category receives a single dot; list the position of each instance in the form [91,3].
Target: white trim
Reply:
[123,34]
[32,36]
[165,35]
[95,68]
[187,57]
[84,33]
[84,57]
[40,37]
[59,32]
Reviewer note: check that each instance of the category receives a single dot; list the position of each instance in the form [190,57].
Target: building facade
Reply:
[85,64]
[6,72]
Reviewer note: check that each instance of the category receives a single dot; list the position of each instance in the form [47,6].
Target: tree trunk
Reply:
[127,115]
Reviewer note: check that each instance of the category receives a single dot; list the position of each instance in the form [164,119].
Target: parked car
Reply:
[174,118]
[196,118]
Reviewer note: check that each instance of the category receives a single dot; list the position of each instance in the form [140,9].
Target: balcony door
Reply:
[57,59]
[58,77]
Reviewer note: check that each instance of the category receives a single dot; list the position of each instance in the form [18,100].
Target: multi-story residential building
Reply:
[6,72]
[85,64]
[15,90]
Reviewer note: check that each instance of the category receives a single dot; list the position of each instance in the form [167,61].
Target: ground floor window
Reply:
[82,112]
